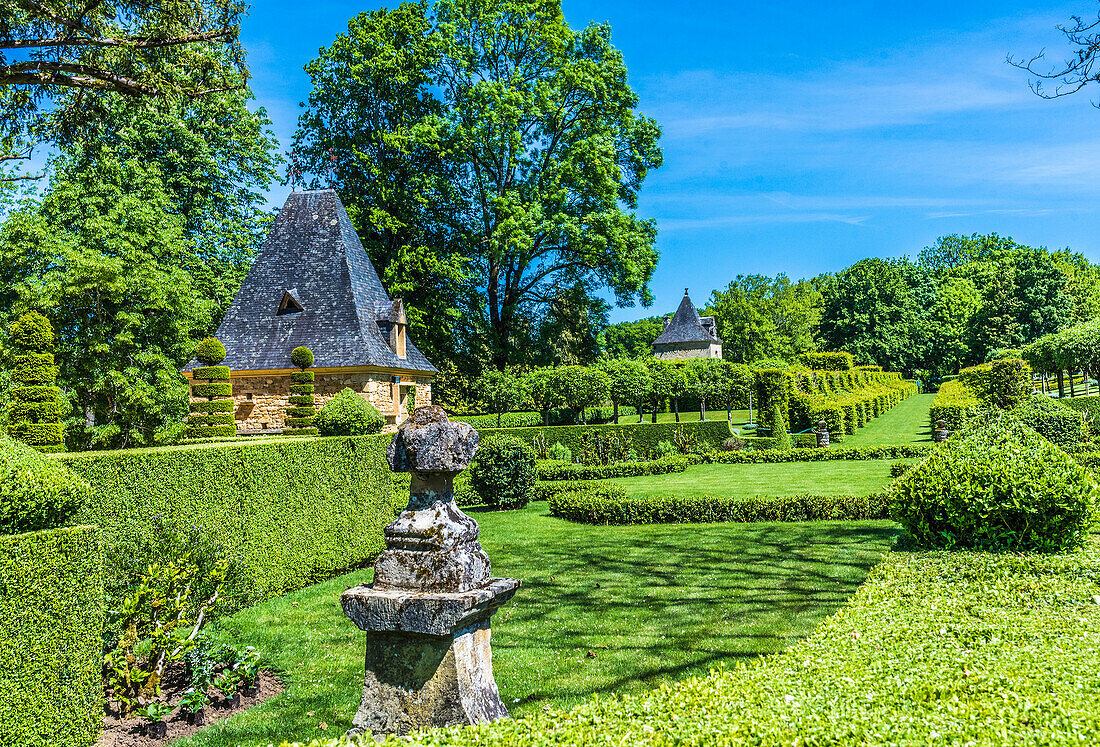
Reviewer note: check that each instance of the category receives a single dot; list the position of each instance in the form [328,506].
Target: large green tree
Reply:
[490,136]
[761,317]
[102,254]
[631,339]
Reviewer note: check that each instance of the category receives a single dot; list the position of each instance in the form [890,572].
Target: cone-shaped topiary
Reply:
[36,406]
[300,411]
[211,394]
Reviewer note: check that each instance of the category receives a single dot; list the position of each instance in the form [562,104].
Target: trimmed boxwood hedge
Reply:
[42,436]
[644,437]
[552,470]
[301,388]
[212,389]
[216,405]
[297,510]
[1088,405]
[948,648]
[830,361]
[593,507]
[211,372]
[897,451]
[301,400]
[51,625]
[302,377]
[1059,424]
[212,431]
[954,404]
[213,418]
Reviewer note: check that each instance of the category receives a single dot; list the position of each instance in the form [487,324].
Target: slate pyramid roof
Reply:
[686,326]
[312,284]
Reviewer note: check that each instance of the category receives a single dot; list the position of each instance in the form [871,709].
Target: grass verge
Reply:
[653,604]
[906,423]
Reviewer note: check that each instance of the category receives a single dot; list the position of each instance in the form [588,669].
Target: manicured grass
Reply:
[652,603]
[906,423]
[740,417]
[838,477]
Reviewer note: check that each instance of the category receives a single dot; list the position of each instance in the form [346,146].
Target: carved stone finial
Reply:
[940,432]
[429,442]
[822,434]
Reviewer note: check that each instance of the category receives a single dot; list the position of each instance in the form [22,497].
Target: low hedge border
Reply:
[51,623]
[644,437]
[945,648]
[857,453]
[212,431]
[296,510]
[552,470]
[954,404]
[592,507]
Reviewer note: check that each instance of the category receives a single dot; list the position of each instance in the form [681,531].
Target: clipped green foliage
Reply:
[295,510]
[601,507]
[216,405]
[781,437]
[31,331]
[1060,424]
[33,369]
[210,352]
[552,470]
[348,414]
[51,623]
[299,400]
[301,357]
[300,421]
[997,485]
[35,491]
[212,418]
[829,361]
[503,472]
[954,404]
[302,377]
[210,372]
[301,388]
[1089,407]
[212,389]
[1001,383]
[212,431]
[773,395]
[642,437]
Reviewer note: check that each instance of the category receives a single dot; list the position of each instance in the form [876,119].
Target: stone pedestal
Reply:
[822,433]
[940,432]
[428,661]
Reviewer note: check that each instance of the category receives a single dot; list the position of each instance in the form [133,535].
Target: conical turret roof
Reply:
[686,326]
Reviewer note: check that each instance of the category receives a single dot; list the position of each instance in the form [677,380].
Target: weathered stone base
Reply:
[422,682]
[428,663]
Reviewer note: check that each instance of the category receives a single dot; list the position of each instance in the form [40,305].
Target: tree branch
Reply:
[129,41]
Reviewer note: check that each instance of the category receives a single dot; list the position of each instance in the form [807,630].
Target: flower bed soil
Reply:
[131,732]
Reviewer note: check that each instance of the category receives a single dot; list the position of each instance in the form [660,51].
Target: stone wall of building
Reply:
[261,401]
[686,350]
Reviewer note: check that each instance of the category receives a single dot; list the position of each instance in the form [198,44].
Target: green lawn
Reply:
[740,417]
[840,477]
[906,423]
[652,604]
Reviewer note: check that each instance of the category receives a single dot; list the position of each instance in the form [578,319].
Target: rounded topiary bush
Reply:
[31,331]
[210,352]
[997,485]
[302,357]
[36,492]
[348,414]
[504,474]
[1055,421]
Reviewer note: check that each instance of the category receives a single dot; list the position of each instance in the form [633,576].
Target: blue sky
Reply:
[800,137]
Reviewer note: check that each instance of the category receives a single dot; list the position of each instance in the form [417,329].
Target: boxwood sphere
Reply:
[210,352]
[504,474]
[348,414]
[301,356]
[998,485]
[32,331]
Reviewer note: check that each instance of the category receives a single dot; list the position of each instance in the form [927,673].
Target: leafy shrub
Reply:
[1060,424]
[296,510]
[734,443]
[35,491]
[31,331]
[1089,407]
[210,372]
[51,625]
[781,437]
[507,420]
[773,394]
[642,437]
[503,472]
[559,452]
[35,405]
[569,471]
[665,449]
[828,361]
[301,357]
[216,405]
[348,414]
[1000,383]
[210,352]
[595,507]
[995,486]
[954,404]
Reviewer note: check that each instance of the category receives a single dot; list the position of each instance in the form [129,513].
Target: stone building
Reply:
[688,335]
[312,284]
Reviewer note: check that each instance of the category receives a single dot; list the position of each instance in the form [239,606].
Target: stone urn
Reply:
[426,615]
[822,434]
[940,433]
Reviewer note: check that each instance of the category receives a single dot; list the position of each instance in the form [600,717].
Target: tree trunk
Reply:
[499,414]
[676,406]
[654,411]
[615,407]
[729,412]
[1061,384]
[1072,390]
[702,409]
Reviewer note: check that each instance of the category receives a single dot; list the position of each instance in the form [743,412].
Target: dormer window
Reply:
[289,305]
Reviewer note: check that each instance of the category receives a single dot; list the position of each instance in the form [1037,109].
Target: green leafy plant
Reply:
[559,452]
[194,699]
[209,351]
[36,405]
[665,448]
[36,492]
[226,682]
[159,620]
[301,357]
[247,666]
[348,414]
[300,418]
[997,485]
[155,711]
[503,472]
[1060,424]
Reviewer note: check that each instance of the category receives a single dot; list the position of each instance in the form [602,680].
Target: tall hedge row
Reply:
[295,510]
[845,400]
[51,623]
[36,406]
[954,404]
[644,437]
